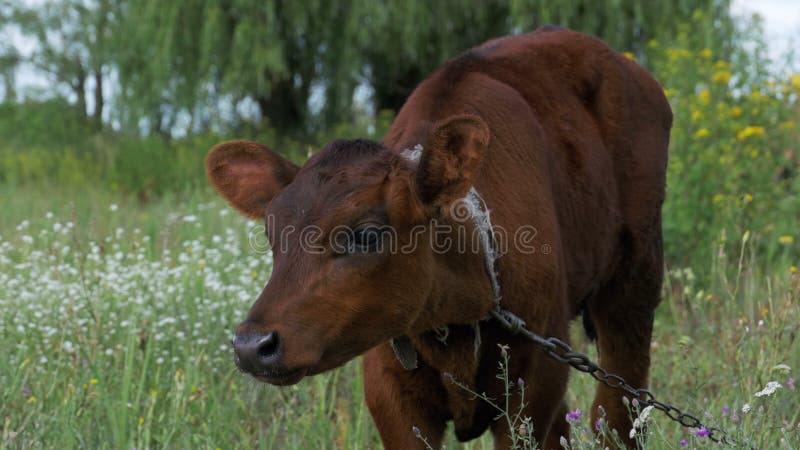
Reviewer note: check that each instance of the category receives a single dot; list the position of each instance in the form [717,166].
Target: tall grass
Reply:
[120,338]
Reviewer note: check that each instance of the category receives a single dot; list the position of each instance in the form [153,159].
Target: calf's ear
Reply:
[452,159]
[248,175]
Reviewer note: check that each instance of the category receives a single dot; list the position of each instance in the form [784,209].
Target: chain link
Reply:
[563,353]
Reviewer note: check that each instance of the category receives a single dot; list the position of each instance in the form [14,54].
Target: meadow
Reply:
[122,277]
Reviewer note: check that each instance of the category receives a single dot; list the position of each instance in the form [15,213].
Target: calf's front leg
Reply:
[400,400]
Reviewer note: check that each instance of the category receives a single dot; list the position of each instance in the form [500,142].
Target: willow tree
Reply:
[628,25]
[409,39]
[187,57]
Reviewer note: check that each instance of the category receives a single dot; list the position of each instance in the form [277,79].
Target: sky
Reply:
[781,24]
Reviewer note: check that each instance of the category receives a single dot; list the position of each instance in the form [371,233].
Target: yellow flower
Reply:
[697,114]
[202,265]
[669,92]
[796,81]
[788,125]
[747,198]
[94,381]
[765,311]
[710,297]
[675,54]
[793,270]
[701,133]
[705,53]
[628,55]
[748,131]
[85,387]
[721,65]
[704,96]
[141,420]
[786,239]
[736,112]
[721,77]
[717,198]
[31,399]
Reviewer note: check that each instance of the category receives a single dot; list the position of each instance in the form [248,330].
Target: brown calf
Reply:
[562,137]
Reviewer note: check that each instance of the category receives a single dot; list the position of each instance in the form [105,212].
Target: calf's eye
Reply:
[365,239]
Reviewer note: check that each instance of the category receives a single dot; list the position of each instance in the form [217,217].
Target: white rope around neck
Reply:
[481,218]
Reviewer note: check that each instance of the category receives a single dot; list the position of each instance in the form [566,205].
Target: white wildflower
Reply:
[746,408]
[769,389]
[113,207]
[640,421]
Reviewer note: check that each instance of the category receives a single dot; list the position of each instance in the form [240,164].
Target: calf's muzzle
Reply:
[258,353]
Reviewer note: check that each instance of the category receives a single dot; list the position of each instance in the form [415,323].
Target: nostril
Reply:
[257,352]
[268,346]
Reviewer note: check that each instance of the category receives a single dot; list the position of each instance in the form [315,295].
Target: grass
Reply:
[116,324]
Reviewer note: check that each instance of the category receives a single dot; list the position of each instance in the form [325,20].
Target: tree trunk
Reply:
[79,88]
[10,88]
[99,101]
[282,109]
[391,94]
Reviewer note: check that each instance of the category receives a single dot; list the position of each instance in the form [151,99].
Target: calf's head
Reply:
[355,259]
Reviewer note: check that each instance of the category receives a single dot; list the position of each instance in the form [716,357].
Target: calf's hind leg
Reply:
[622,313]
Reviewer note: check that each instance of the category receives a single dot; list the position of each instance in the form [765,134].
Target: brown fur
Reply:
[556,131]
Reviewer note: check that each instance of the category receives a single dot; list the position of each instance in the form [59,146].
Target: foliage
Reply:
[628,25]
[138,167]
[299,67]
[74,39]
[733,162]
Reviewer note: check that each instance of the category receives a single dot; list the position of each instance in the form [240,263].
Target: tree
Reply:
[9,57]
[200,65]
[194,55]
[409,39]
[9,60]
[627,25]
[72,38]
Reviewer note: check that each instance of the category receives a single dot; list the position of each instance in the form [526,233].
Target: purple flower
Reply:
[734,417]
[26,391]
[725,410]
[702,432]
[790,383]
[573,416]
[684,442]
[85,362]
[598,425]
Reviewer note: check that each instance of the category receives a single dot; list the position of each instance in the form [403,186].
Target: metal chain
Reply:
[563,353]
